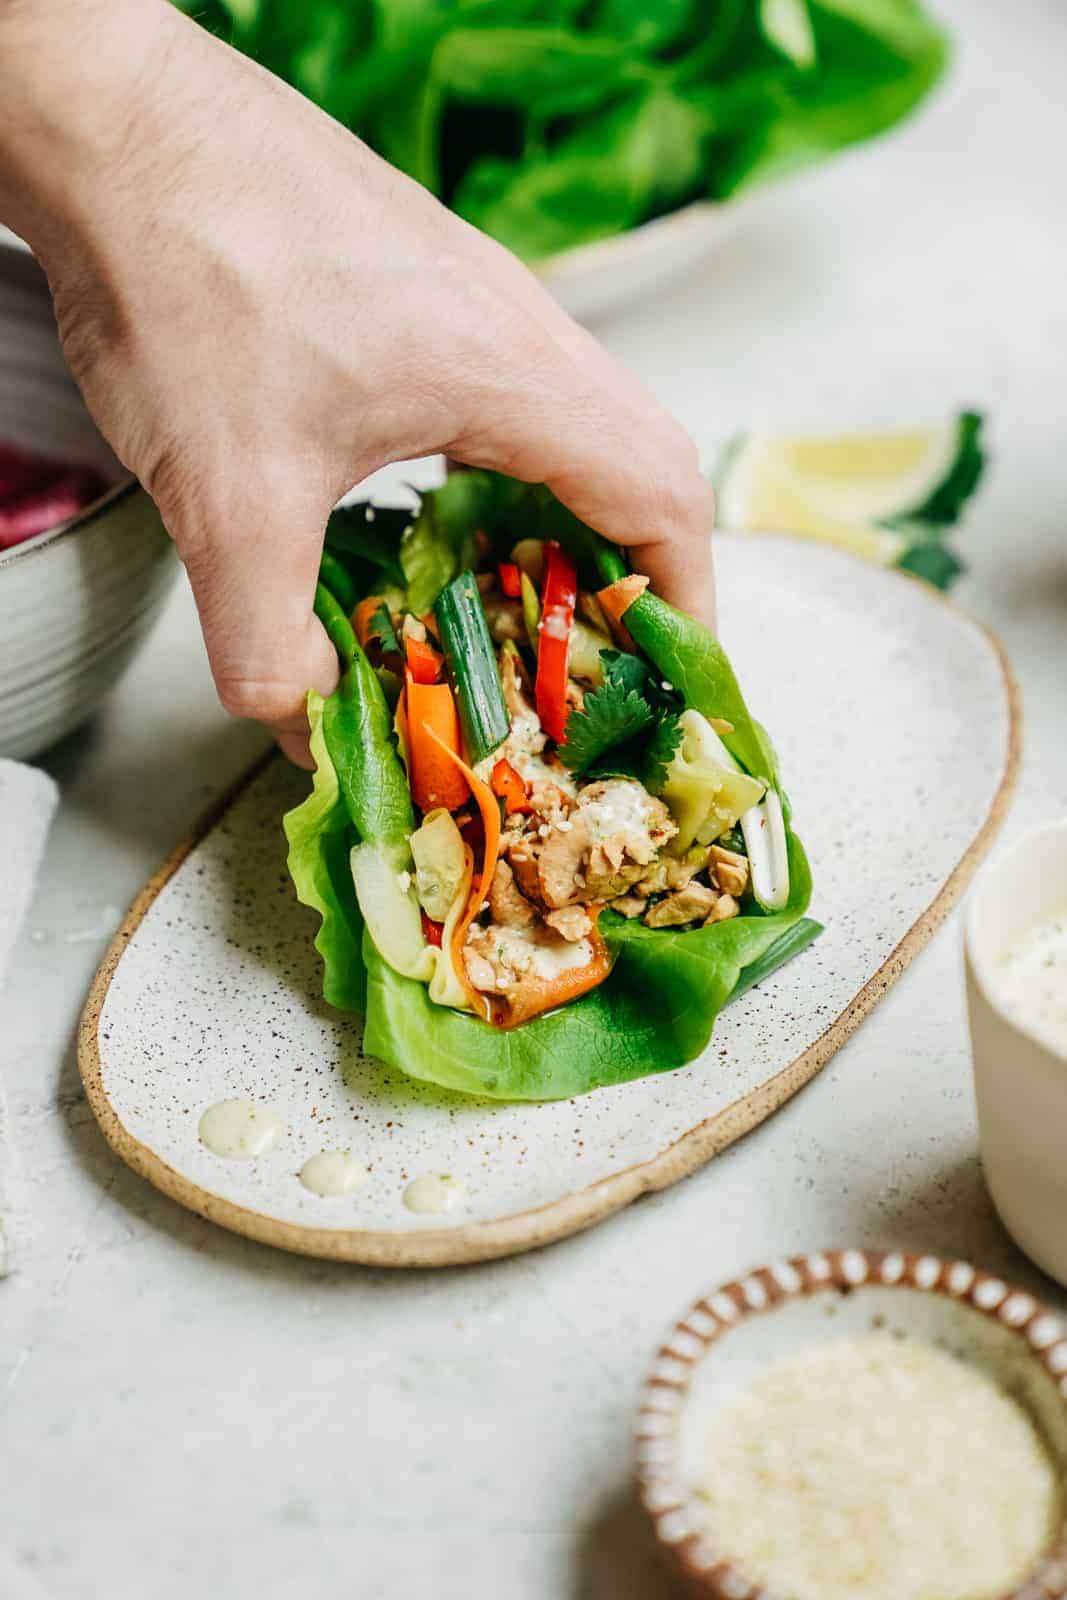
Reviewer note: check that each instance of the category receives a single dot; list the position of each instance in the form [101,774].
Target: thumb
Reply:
[253,579]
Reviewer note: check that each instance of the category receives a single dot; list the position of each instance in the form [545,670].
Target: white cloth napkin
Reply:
[27,801]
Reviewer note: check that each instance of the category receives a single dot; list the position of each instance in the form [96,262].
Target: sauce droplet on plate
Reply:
[434,1192]
[240,1130]
[332,1172]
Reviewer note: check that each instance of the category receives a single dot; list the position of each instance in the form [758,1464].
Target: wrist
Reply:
[73,76]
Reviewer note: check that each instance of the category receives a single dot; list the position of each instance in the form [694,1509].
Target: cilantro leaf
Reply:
[611,716]
[380,627]
[633,672]
[624,670]
[645,757]
[659,752]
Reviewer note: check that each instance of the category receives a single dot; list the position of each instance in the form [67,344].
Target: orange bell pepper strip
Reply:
[432,726]
[490,810]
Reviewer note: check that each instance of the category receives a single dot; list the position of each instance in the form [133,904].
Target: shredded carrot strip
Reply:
[617,599]
[433,726]
[490,811]
[545,994]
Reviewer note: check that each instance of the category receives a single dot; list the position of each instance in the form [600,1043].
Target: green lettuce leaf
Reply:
[320,837]
[357,727]
[440,541]
[695,663]
[654,1013]
[556,122]
[657,1009]
[643,155]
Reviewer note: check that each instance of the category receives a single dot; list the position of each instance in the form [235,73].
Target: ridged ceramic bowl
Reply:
[729,1336]
[77,600]
[599,280]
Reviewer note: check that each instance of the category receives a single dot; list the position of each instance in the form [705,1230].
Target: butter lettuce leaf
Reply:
[320,836]
[552,123]
[657,1009]
[654,1013]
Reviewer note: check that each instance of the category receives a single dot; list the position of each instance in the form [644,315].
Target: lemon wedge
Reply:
[864,492]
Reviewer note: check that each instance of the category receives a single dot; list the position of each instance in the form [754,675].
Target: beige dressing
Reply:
[332,1172]
[240,1130]
[434,1192]
[1031,979]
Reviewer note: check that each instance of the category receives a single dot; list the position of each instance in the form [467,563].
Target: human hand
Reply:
[260,312]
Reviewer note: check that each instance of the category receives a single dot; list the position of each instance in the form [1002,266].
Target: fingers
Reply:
[577,419]
[253,571]
[609,452]
[663,517]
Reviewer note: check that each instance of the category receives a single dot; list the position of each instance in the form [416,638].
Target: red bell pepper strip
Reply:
[558,599]
[510,579]
[432,931]
[423,661]
[510,787]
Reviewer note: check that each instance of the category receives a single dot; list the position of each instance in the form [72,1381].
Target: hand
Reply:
[260,312]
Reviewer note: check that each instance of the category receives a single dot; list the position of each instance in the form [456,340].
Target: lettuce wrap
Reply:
[658,696]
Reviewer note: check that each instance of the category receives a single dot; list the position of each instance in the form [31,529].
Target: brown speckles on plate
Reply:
[226,1001]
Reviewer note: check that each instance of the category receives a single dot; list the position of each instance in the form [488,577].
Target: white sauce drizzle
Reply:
[538,950]
[433,1193]
[619,806]
[331,1173]
[240,1130]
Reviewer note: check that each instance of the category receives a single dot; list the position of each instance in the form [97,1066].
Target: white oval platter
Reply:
[897,725]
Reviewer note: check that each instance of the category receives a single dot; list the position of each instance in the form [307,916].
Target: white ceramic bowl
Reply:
[729,1336]
[1020,1080]
[596,280]
[76,601]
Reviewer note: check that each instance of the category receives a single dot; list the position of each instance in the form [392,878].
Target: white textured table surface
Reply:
[182,1413]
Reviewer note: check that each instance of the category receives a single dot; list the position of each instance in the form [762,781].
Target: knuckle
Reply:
[260,700]
[686,502]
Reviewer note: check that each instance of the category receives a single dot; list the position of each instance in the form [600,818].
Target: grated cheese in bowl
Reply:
[875,1468]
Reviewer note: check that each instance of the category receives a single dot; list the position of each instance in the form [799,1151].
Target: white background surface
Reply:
[185,1414]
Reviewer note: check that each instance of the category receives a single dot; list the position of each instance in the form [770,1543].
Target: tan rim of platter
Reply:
[526,1230]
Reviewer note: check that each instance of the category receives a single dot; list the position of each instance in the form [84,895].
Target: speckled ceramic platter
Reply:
[898,732]
[732,1334]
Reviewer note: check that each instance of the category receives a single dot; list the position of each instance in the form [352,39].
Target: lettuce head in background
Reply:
[551,123]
